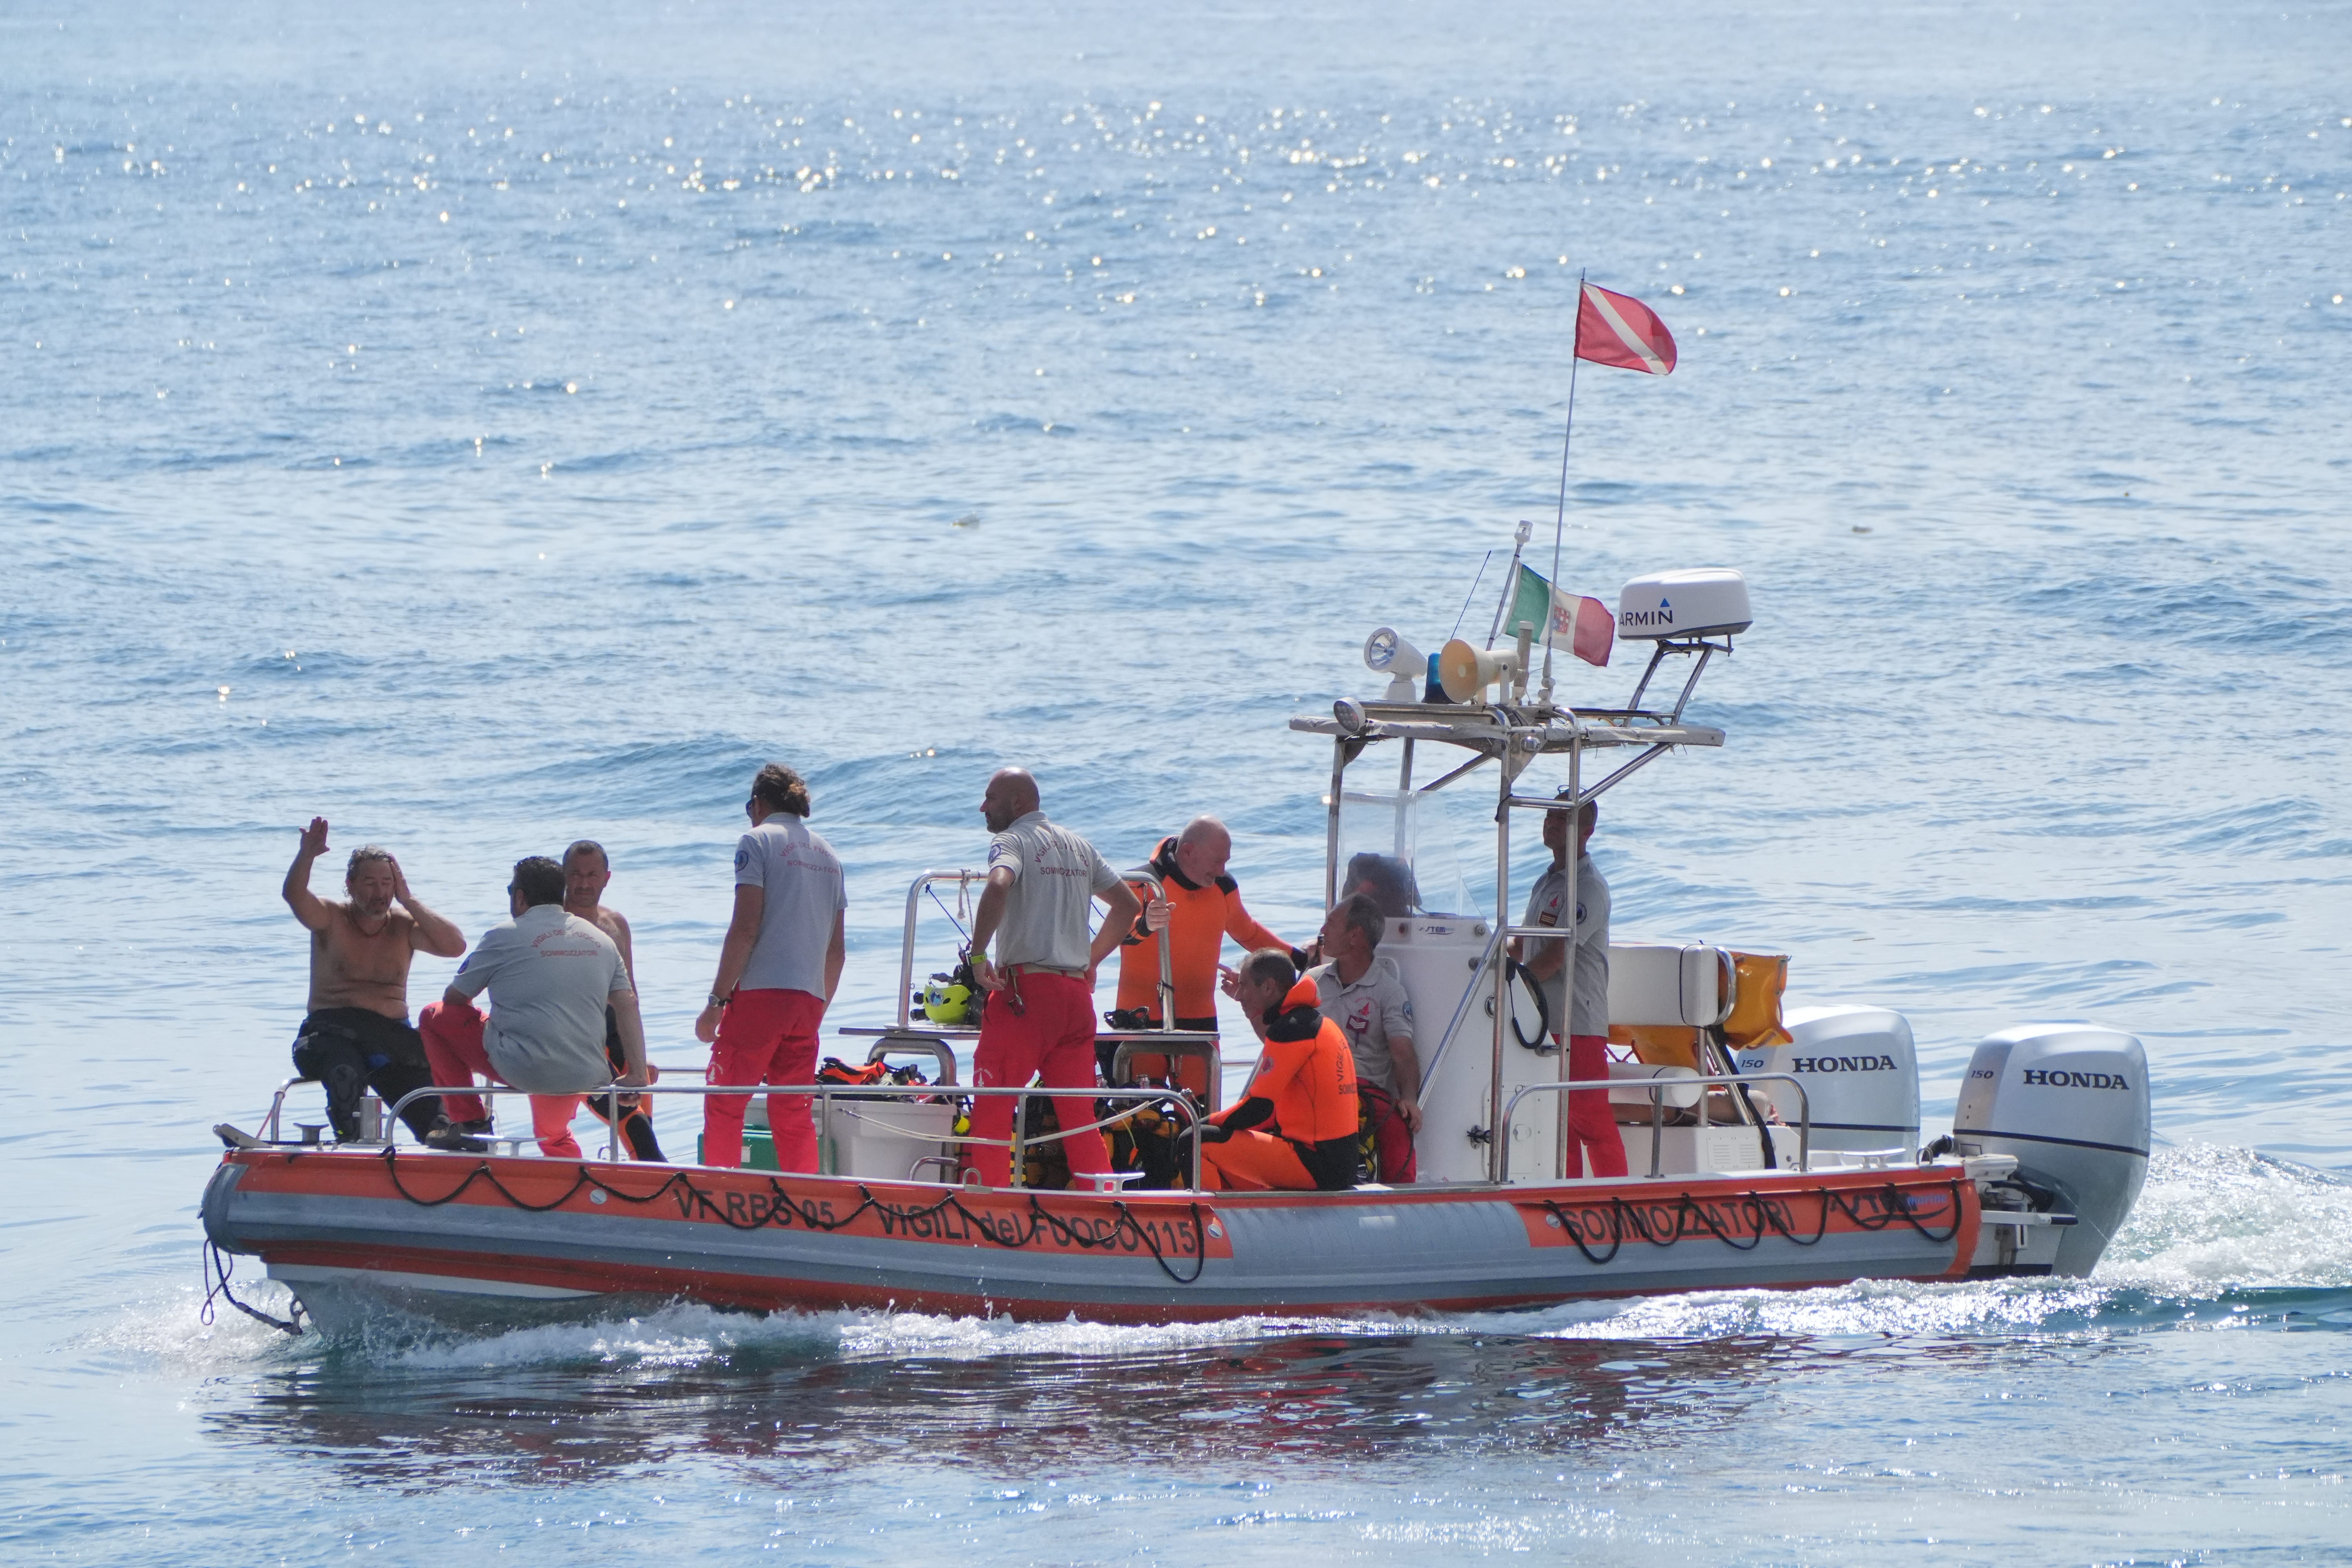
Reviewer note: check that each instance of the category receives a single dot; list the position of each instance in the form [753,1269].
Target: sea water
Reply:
[488,428]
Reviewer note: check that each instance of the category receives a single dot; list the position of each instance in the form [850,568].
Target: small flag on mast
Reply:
[1619,330]
[1582,625]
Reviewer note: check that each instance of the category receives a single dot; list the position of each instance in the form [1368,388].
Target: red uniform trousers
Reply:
[1392,1140]
[453,1045]
[1592,1130]
[764,1036]
[1051,1038]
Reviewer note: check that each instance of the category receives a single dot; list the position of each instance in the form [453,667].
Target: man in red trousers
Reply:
[1043,880]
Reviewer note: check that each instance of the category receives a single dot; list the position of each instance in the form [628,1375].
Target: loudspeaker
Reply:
[1465,672]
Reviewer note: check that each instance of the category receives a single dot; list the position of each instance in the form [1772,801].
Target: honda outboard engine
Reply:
[2070,1103]
[1861,1076]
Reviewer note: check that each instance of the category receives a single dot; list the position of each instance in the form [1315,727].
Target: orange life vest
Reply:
[1200,918]
[1308,1072]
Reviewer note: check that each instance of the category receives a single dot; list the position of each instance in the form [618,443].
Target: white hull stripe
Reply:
[449,1284]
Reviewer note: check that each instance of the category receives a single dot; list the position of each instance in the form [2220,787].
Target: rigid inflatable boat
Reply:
[1765,1148]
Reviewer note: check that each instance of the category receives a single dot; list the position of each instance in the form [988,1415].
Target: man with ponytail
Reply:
[778,970]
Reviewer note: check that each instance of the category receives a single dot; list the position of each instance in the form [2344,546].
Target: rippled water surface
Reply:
[489,427]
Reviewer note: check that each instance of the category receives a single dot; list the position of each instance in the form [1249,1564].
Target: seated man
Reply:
[587,872]
[355,1034]
[1362,992]
[551,975]
[1303,1094]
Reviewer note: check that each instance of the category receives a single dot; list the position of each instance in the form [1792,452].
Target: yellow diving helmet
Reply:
[946,1000]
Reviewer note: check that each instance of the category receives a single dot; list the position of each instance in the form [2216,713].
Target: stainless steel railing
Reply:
[965,879]
[825,1094]
[1657,1089]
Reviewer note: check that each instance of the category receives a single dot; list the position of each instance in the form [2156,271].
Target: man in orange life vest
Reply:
[1295,1128]
[1200,906]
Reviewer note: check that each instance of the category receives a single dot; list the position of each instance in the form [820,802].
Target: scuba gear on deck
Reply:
[953,999]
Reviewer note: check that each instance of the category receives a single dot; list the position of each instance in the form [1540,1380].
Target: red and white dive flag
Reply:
[1619,330]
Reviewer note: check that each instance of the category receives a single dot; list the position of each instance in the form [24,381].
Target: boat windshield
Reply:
[1399,847]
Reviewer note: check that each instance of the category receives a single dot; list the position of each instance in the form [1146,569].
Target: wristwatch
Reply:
[719,1001]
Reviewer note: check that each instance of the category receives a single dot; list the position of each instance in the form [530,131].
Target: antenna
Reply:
[1559,520]
[1511,575]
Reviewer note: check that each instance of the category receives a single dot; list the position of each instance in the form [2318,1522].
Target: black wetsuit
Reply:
[353,1049]
[636,1127]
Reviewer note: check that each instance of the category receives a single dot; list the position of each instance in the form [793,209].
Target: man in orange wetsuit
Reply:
[1200,906]
[1295,1128]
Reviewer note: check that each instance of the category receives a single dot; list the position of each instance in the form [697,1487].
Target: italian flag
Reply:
[1582,625]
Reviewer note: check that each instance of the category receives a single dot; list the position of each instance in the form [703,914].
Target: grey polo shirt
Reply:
[1055,874]
[802,892]
[548,973]
[1370,1012]
[1547,906]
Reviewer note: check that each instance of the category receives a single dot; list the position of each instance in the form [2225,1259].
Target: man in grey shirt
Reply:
[1043,880]
[1581,1019]
[551,975]
[778,970]
[1362,992]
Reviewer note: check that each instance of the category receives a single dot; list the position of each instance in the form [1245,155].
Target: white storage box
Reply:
[883,1138]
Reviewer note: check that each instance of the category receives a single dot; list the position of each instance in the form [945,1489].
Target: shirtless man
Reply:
[356,1035]
[587,871]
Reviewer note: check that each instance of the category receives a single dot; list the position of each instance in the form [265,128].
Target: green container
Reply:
[758,1149]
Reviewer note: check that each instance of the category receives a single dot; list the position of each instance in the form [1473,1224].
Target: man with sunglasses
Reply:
[778,970]
[551,976]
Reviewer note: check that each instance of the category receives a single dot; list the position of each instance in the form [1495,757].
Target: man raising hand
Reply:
[356,1035]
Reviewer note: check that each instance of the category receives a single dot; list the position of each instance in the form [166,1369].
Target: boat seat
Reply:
[1665,993]
[1661,994]
[1658,983]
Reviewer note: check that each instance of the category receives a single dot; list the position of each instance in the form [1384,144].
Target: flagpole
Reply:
[1559,522]
[1510,580]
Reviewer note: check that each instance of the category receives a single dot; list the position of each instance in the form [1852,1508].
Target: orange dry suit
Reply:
[1200,918]
[1304,1096]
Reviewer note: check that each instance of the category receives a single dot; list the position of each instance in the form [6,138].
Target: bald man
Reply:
[1042,884]
[1199,906]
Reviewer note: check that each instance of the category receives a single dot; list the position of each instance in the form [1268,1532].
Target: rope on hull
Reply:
[1041,1219]
[1626,1219]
